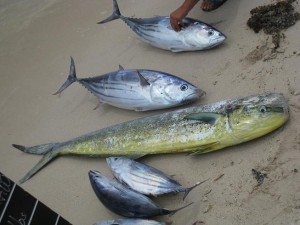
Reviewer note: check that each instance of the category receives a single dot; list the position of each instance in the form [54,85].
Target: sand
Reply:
[36,41]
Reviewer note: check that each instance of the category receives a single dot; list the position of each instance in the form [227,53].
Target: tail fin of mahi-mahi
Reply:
[48,150]
[115,15]
[71,78]
[188,190]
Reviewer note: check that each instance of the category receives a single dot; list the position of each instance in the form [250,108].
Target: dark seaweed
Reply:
[259,176]
[273,18]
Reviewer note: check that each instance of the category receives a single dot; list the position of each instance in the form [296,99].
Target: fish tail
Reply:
[172,212]
[115,15]
[49,151]
[38,149]
[191,188]
[71,78]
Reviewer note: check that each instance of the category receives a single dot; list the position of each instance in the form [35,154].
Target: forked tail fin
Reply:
[49,151]
[38,149]
[115,15]
[71,78]
[191,188]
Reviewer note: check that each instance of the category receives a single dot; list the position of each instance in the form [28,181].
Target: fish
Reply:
[157,31]
[139,90]
[129,222]
[124,201]
[195,130]
[145,179]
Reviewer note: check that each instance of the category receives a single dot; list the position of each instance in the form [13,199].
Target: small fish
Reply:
[124,201]
[195,130]
[157,31]
[138,90]
[145,179]
[129,222]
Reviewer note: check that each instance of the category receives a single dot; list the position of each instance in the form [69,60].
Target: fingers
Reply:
[176,24]
[176,19]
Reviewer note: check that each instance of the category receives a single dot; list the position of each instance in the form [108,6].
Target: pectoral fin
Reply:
[204,117]
[143,80]
[204,148]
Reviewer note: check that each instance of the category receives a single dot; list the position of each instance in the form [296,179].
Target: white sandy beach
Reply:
[37,38]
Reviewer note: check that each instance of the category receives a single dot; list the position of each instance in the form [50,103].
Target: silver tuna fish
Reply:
[129,222]
[157,31]
[145,179]
[125,201]
[138,90]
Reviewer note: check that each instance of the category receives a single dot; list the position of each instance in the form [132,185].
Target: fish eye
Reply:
[195,23]
[113,159]
[263,109]
[210,33]
[183,87]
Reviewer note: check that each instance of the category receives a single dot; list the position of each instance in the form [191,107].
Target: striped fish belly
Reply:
[121,89]
[157,33]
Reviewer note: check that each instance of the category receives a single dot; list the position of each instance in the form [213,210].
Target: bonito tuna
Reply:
[157,31]
[196,130]
[139,90]
[145,179]
[124,201]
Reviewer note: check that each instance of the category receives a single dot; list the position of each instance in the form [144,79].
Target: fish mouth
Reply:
[217,41]
[94,173]
[193,96]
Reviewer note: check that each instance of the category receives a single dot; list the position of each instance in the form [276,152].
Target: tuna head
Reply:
[118,165]
[99,181]
[174,92]
[199,35]
[115,162]
[255,116]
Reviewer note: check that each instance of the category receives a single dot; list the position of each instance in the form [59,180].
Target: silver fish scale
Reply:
[142,178]
[157,31]
[139,90]
[123,89]
[110,91]
[151,183]
[158,34]
[124,201]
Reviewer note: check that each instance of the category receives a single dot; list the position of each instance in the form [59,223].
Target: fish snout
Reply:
[94,173]
[111,160]
[223,36]
[198,93]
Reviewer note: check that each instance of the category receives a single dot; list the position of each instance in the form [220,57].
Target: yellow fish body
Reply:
[196,130]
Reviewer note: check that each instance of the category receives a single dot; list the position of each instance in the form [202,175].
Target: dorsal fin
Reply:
[143,80]
[121,67]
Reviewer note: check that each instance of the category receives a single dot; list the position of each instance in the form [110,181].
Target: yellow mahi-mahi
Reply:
[196,130]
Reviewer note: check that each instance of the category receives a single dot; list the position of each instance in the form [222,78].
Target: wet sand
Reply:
[37,39]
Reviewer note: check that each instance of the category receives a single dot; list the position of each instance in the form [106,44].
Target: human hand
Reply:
[176,18]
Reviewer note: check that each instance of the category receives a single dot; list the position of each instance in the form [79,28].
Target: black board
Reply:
[18,207]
